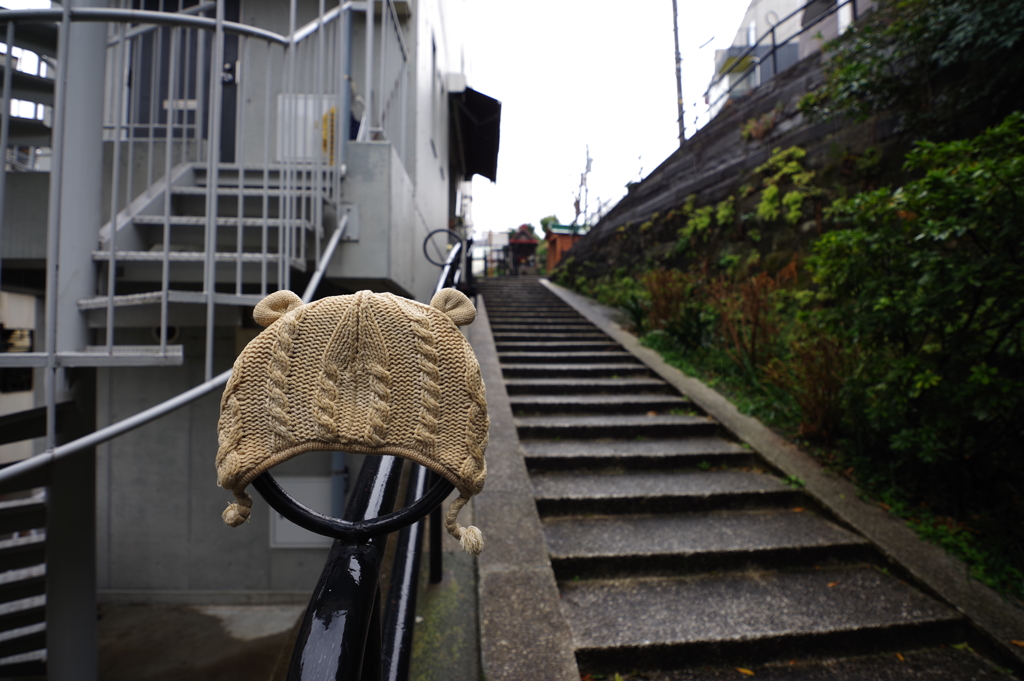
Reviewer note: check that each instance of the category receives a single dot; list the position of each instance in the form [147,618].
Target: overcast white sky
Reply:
[570,73]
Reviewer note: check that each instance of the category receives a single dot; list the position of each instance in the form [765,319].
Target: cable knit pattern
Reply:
[475,468]
[369,373]
[326,398]
[277,375]
[430,390]
[372,357]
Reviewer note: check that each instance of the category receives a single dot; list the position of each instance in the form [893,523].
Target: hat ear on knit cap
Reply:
[455,304]
[275,306]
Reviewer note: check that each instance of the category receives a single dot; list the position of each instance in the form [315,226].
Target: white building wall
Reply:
[159,532]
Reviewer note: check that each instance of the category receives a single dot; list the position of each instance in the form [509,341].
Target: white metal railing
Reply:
[245,125]
[174,118]
[746,70]
[394,77]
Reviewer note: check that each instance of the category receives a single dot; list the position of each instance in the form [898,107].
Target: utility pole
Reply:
[583,194]
[586,188]
[679,72]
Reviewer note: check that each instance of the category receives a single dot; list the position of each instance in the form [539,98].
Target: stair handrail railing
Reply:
[23,468]
[773,50]
[142,23]
[342,633]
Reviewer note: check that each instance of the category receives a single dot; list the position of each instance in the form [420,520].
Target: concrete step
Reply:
[504,336]
[565,493]
[699,542]
[934,664]
[655,453]
[754,617]
[538,320]
[613,426]
[594,404]
[540,330]
[540,308]
[581,357]
[555,346]
[561,386]
[608,370]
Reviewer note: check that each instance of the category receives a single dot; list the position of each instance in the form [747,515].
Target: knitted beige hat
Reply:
[369,373]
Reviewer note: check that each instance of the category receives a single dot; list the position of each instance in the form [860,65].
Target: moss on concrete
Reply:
[445,642]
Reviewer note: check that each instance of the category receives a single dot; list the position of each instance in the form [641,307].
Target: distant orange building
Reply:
[560,238]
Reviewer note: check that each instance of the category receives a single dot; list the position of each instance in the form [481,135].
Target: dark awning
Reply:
[476,119]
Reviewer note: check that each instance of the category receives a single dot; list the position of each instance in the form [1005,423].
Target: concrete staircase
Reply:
[677,549]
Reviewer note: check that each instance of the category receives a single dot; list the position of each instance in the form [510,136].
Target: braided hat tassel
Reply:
[470,538]
[238,512]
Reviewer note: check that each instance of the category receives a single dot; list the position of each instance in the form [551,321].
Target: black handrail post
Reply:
[400,608]
[775,59]
[853,4]
[335,630]
[371,670]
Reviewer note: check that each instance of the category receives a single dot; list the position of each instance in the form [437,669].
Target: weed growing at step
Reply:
[794,481]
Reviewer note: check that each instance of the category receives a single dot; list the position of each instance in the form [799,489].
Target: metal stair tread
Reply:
[22,605]
[173,296]
[23,543]
[184,256]
[742,607]
[22,658]
[652,484]
[617,448]
[19,632]
[22,574]
[200,221]
[692,533]
[17,504]
[273,191]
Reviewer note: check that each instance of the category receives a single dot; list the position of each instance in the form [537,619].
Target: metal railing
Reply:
[186,119]
[751,63]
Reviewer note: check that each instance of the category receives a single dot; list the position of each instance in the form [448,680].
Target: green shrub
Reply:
[927,282]
[940,65]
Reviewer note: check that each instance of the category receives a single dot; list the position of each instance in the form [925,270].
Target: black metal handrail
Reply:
[335,528]
[343,634]
[773,52]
